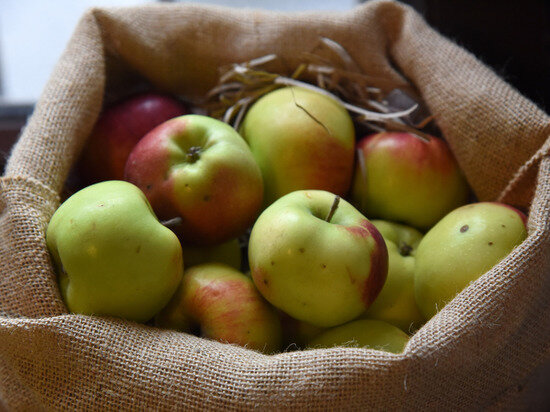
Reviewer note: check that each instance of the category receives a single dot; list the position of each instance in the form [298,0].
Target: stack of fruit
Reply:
[264,238]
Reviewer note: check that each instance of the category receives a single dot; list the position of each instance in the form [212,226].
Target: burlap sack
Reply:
[478,352]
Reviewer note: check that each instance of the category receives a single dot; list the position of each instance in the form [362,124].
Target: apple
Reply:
[301,139]
[225,305]
[366,333]
[317,259]
[228,252]
[465,244]
[112,255]
[198,169]
[396,303]
[400,178]
[297,333]
[118,130]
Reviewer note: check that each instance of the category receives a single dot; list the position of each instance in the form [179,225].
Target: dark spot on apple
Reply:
[259,276]
[149,186]
[503,225]
[304,304]
[464,228]
[272,263]
[323,266]
[138,249]
[101,205]
[206,198]
[187,185]
[302,250]
[490,243]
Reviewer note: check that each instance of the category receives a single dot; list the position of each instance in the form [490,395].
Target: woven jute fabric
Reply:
[478,352]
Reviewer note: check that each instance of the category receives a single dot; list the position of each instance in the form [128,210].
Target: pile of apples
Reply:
[289,231]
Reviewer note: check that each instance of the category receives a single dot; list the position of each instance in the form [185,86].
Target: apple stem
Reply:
[193,154]
[333,208]
[405,249]
[170,223]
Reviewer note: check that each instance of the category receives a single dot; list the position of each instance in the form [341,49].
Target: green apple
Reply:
[396,303]
[227,252]
[112,254]
[301,139]
[225,306]
[366,333]
[461,247]
[317,260]
[297,333]
[400,178]
[198,169]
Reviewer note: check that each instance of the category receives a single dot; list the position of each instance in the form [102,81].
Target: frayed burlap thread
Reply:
[478,352]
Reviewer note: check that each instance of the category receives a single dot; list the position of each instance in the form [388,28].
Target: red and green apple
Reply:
[401,178]
[317,259]
[200,170]
[301,139]
[225,306]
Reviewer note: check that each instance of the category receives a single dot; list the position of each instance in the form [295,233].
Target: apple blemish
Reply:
[379,265]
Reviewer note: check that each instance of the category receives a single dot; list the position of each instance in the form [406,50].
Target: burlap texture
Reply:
[478,352]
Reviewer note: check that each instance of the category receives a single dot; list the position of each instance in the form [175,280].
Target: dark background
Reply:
[513,37]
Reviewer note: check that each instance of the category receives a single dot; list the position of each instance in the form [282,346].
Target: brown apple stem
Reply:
[170,223]
[193,154]
[333,208]
[405,249]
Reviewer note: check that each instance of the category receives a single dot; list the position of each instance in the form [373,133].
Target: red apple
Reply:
[401,178]
[119,128]
[224,304]
[201,170]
